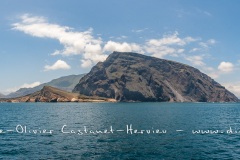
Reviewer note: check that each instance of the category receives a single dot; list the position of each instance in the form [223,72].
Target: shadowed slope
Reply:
[136,77]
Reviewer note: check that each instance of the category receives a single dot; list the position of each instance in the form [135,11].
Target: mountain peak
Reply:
[128,76]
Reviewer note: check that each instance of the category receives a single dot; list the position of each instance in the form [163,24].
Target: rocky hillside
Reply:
[66,83]
[136,77]
[51,94]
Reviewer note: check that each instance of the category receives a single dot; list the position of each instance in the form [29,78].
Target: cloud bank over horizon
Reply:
[94,49]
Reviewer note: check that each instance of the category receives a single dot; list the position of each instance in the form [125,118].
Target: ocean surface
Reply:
[120,131]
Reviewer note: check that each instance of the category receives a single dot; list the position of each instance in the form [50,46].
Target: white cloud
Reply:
[160,51]
[31,85]
[111,46]
[211,41]
[202,44]
[170,39]
[57,65]
[206,13]
[223,68]
[207,43]
[234,88]
[180,50]
[74,43]
[86,63]
[213,75]
[190,39]
[122,37]
[226,67]
[169,44]
[93,50]
[194,50]
[182,13]
[196,60]
[139,30]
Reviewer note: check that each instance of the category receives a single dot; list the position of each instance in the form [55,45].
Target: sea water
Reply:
[119,131]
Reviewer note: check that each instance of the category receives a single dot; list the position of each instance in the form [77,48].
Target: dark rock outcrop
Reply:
[51,94]
[136,77]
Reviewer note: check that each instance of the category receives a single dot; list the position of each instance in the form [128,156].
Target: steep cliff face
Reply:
[136,77]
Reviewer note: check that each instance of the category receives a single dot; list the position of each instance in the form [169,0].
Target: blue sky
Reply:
[43,40]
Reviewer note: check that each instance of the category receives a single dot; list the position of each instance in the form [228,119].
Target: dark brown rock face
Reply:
[51,94]
[136,77]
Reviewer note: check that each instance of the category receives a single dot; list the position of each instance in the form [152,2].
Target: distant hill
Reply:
[136,77]
[2,95]
[66,83]
[51,94]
